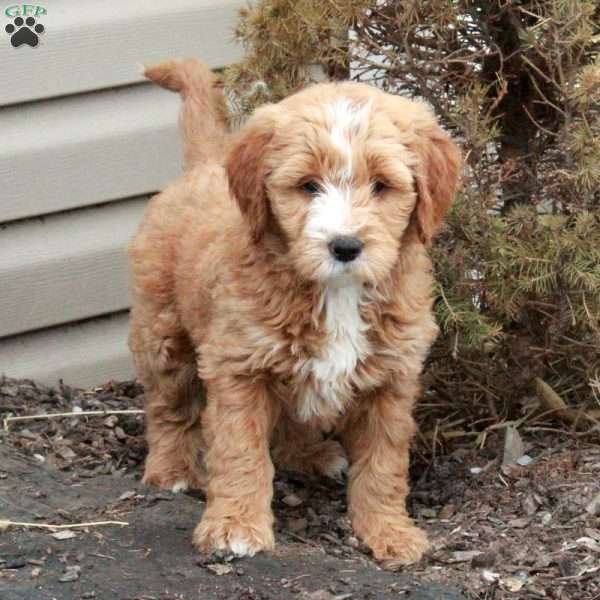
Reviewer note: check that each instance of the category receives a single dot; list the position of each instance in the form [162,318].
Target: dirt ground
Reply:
[498,530]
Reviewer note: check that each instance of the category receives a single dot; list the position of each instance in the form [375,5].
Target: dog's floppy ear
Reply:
[437,175]
[246,171]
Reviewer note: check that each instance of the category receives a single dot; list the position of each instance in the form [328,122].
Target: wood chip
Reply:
[513,584]
[66,453]
[589,543]
[464,556]
[447,512]
[71,574]
[65,534]
[219,569]
[513,447]
[593,508]
[489,576]
[530,505]
[518,523]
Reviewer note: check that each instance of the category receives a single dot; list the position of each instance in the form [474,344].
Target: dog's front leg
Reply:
[237,424]
[378,439]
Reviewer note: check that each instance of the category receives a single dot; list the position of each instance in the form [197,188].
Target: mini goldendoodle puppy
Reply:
[287,271]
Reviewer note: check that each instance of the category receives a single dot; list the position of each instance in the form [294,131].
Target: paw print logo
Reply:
[24,31]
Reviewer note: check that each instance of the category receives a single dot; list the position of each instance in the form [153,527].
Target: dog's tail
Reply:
[202,120]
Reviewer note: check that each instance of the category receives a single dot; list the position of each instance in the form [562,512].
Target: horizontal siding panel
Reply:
[87,149]
[90,45]
[83,354]
[66,267]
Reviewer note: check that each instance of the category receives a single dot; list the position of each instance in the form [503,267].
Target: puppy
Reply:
[287,271]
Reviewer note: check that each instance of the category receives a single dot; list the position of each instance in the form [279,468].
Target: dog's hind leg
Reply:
[174,403]
[303,449]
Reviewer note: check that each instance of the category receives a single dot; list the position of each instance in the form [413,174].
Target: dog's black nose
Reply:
[345,248]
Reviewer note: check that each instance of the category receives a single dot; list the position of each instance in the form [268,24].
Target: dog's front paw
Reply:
[394,543]
[174,482]
[230,534]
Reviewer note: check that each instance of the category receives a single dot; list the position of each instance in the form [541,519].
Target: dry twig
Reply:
[5,524]
[83,413]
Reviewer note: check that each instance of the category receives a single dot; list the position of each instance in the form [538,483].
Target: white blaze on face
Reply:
[348,120]
[329,213]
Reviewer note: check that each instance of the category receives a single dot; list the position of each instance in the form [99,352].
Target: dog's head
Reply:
[345,173]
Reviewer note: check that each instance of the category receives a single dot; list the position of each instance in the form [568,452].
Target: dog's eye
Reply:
[379,187]
[311,187]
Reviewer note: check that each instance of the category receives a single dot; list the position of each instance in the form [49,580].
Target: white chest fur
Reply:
[329,374]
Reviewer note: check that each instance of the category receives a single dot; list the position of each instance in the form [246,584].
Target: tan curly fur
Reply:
[305,360]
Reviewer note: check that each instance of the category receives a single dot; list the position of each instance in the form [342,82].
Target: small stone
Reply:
[428,513]
[292,500]
[119,433]
[35,572]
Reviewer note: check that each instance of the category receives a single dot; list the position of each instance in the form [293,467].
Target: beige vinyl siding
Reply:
[84,142]
[86,149]
[95,44]
[66,267]
[83,354]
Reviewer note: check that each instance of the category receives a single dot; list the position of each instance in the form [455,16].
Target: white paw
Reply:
[337,467]
[238,546]
[180,486]
[241,547]
[216,534]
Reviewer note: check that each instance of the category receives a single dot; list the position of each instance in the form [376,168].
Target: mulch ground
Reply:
[520,529]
